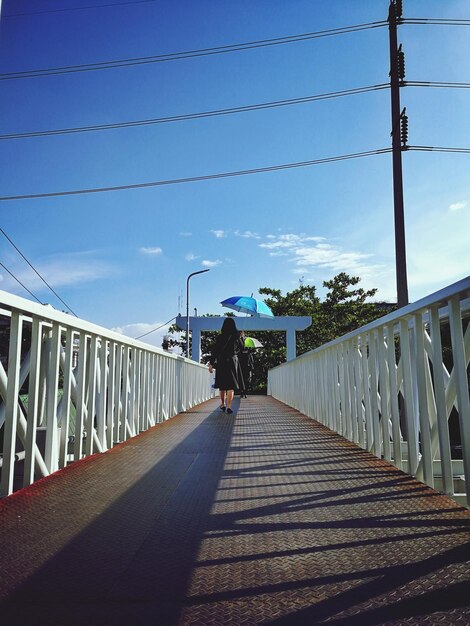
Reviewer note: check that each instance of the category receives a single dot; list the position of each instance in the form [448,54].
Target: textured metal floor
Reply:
[263,517]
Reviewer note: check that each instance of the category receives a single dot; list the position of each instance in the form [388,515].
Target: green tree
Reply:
[343,309]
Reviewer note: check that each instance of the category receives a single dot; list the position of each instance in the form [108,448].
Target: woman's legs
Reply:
[229,398]
[222,397]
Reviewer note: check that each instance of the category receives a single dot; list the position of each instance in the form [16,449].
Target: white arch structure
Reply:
[289,324]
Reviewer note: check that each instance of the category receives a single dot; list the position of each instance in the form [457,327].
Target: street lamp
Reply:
[187,308]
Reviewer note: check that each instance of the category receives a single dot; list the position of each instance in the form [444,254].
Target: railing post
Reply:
[65,403]
[90,405]
[366,388]
[385,399]
[111,395]
[440,398]
[33,396]
[51,456]
[81,395]
[374,405]
[101,403]
[11,416]
[359,405]
[118,384]
[425,469]
[125,395]
[408,398]
[395,413]
[460,368]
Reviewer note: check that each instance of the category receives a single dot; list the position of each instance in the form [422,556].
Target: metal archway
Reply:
[290,324]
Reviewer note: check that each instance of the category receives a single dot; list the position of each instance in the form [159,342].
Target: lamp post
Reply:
[187,308]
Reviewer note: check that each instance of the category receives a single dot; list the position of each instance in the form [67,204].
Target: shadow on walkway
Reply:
[131,562]
[263,517]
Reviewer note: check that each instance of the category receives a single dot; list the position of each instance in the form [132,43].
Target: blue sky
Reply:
[120,259]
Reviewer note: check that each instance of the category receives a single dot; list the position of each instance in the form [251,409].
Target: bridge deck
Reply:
[260,517]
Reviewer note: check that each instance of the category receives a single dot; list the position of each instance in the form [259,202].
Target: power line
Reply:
[154,329]
[439,149]
[86,67]
[192,179]
[200,115]
[19,281]
[96,6]
[435,21]
[232,110]
[176,56]
[442,84]
[259,170]
[35,270]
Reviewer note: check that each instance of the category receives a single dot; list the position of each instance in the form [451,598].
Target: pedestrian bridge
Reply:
[335,499]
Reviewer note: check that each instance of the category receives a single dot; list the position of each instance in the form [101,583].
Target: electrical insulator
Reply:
[404,130]
[399,8]
[401,64]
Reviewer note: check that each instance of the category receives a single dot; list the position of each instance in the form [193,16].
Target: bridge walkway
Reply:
[262,517]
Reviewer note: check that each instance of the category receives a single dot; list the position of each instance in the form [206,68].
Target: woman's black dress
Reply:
[225,360]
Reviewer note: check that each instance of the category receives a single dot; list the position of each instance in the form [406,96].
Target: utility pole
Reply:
[397,74]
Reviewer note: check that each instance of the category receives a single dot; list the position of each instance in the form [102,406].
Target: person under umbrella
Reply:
[224,359]
[247,365]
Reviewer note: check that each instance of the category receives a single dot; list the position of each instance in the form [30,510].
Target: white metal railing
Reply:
[391,387]
[69,388]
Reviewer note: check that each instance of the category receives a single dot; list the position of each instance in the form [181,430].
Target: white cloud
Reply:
[457,206]
[332,258]
[289,240]
[277,244]
[208,263]
[247,234]
[151,250]
[320,259]
[297,238]
[191,257]
[219,233]
[59,271]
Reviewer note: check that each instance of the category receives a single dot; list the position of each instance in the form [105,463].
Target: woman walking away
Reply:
[225,361]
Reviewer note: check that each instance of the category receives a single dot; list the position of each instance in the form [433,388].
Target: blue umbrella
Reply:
[247,304]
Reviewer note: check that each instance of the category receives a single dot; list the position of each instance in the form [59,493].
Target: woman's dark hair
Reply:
[229,327]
